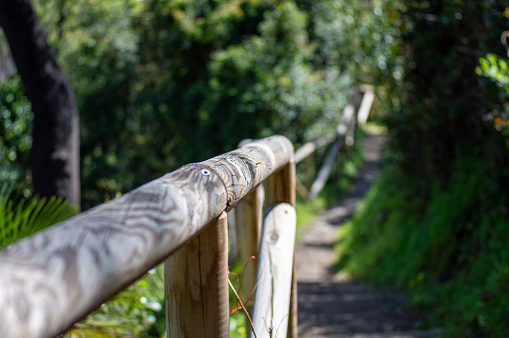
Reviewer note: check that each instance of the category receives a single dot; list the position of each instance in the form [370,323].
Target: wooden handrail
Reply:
[356,112]
[58,276]
[366,103]
[347,124]
[310,147]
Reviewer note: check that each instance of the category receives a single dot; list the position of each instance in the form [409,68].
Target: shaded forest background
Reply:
[160,83]
[163,83]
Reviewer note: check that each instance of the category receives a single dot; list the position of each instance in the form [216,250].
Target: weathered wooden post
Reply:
[280,188]
[189,314]
[366,103]
[248,222]
[271,312]
[197,287]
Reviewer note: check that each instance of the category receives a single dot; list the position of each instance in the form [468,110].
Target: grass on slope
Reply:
[450,250]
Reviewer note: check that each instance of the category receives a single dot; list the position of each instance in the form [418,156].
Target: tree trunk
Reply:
[55,150]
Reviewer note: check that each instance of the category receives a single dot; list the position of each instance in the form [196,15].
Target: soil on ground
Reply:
[330,306]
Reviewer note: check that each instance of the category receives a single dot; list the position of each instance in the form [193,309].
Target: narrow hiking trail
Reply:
[330,306]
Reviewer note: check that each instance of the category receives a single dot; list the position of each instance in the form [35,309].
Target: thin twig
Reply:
[243,308]
[243,270]
[254,289]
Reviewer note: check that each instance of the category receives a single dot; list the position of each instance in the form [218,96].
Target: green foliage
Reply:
[435,223]
[180,81]
[238,325]
[307,211]
[162,83]
[450,253]
[15,130]
[138,311]
[21,217]
[443,105]
[496,69]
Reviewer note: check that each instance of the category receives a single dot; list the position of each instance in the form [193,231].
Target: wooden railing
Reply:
[249,212]
[355,113]
[56,277]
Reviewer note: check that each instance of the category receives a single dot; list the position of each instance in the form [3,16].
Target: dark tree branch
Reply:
[61,19]
[55,150]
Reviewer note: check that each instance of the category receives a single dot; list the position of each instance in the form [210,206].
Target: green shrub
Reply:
[15,126]
[137,311]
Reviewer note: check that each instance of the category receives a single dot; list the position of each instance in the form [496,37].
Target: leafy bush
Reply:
[15,130]
[137,311]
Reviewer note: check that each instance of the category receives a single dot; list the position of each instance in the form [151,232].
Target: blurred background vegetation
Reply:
[160,83]
[436,222]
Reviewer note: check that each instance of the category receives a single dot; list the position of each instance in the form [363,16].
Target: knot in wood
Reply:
[274,236]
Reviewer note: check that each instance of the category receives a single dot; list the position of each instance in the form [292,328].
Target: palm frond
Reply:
[20,217]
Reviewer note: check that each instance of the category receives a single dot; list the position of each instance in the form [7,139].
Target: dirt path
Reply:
[329,306]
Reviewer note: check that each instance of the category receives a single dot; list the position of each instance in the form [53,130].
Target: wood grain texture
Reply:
[196,285]
[280,188]
[271,309]
[244,169]
[56,277]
